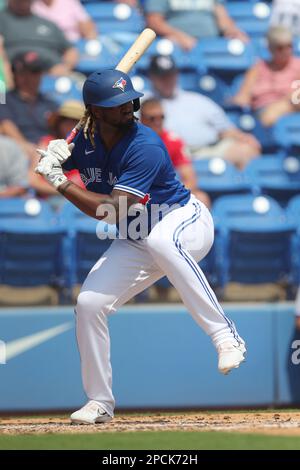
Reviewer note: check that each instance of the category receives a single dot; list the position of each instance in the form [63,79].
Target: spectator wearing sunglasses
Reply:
[267,87]
[152,115]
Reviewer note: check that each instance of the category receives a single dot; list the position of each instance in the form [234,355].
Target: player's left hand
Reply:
[52,171]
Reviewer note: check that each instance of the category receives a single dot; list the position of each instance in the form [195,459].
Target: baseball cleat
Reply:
[230,356]
[91,413]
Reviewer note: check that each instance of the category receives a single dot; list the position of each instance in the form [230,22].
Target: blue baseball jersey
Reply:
[138,164]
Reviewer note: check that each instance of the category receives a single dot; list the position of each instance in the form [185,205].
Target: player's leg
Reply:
[177,243]
[122,272]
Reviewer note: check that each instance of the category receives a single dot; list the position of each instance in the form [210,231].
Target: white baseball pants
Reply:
[173,248]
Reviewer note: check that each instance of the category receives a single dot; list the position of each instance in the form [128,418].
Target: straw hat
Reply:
[70,109]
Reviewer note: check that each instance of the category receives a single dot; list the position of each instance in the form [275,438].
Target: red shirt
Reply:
[176,148]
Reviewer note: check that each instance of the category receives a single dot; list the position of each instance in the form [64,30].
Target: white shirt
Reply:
[287,13]
[195,118]
[14,165]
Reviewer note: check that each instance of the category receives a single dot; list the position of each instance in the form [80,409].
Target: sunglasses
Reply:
[283,46]
[161,117]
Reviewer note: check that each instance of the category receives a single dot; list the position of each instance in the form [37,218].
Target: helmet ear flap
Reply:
[136,105]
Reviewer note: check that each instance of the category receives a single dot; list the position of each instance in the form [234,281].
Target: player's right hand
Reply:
[52,171]
[57,151]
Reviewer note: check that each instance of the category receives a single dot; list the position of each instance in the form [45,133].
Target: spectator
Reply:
[69,15]
[267,87]
[200,122]
[61,124]
[24,116]
[5,69]
[62,121]
[131,3]
[22,31]
[14,169]
[191,20]
[152,115]
[286,13]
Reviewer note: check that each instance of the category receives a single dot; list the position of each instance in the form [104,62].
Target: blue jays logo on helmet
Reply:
[109,88]
[121,84]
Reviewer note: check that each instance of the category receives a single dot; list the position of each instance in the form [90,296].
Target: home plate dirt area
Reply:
[260,422]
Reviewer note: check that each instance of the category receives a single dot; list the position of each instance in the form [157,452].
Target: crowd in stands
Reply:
[202,123]
[267,85]
[191,22]
[42,40]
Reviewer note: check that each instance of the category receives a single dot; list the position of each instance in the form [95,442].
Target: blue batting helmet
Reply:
[110,88]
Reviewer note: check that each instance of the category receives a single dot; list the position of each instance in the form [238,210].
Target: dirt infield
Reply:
[274,423]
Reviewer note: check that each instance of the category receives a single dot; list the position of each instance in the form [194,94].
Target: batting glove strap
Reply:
[52,171]
[56,177]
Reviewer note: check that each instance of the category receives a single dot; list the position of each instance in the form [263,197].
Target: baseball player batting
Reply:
[122,160]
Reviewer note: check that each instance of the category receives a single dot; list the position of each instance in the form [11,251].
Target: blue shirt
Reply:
[29,117]
[204,123]
[138,164]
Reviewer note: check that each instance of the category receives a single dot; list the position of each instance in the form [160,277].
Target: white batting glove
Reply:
[45,164]
[57,150]
[52,171]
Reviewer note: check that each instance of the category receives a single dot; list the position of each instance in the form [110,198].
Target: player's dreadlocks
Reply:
[88,124]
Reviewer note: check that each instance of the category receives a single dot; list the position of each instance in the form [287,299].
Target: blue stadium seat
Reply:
[247,121]
[30,244]
[110,17]
[193,60]
[232,210]
[60,89]
[287,131]
[188,80]
[221,90]
[212,86]
[227,2]
[185,61]
[31,253]
[218,177]
[279,177]
[94,55]
[141,83]
[261,47]
[293,214]
[293,208]
[19,209]
[254,244]
[74,218]
[88,250]
[252,18]
[297,47]
[85,244]
[226,56]
[235,85]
